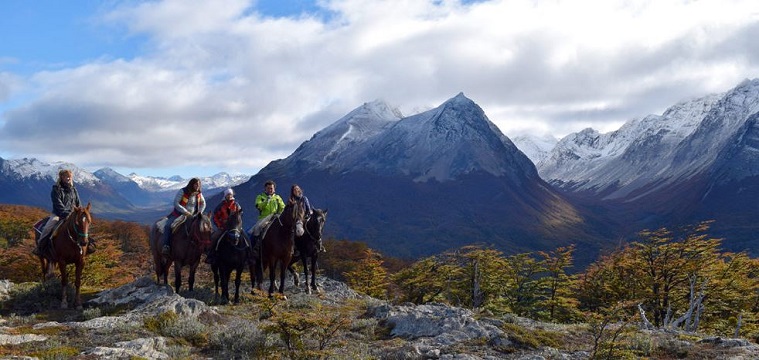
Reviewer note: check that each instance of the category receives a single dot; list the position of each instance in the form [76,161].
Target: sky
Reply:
[193,88]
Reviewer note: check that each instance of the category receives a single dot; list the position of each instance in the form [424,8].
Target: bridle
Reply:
[235,233]
[320,222]
[81,231]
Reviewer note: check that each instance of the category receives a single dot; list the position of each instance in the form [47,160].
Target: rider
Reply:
[297,197]
[268,204]
[220,215]
[65,198]
[188,202]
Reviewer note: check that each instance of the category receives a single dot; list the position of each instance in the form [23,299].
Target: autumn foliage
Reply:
[121,256]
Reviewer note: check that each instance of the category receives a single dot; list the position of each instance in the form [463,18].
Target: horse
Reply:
[307,246]
[232,254]
[69,246]
[188,243]
[277,246]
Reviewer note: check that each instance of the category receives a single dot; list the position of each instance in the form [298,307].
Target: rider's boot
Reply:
[40,248]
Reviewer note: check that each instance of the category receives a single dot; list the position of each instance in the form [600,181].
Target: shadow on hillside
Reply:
[44,301]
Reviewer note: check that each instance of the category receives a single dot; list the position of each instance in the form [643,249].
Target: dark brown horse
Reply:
[308,248]
[232,253]
[69,246]
[277,246]
[188,243]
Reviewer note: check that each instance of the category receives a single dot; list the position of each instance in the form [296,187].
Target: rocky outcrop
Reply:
[430,331]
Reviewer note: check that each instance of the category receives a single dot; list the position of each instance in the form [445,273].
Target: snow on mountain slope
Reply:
[537,148]
[33,168]
[328,148]
[642,151]
[220,180]
[430,145]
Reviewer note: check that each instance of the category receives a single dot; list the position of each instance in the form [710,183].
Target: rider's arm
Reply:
[57,198]
[280,204]
[201,203]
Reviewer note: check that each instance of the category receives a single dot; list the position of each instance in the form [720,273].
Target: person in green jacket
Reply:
[269,204]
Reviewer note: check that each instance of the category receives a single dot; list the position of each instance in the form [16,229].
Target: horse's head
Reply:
[200,229]
[233,227]
[293,216]
[234,220]
[315,224]
[81,219]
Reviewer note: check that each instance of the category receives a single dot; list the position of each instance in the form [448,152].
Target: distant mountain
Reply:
[695,162]
[113,195]
[423,184]
[29,182]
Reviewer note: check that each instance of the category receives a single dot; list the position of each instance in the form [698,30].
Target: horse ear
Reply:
[89,205]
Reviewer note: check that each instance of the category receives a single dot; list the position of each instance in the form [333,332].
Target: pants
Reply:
[167,230]
[49,225]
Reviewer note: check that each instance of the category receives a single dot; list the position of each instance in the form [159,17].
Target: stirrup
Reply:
[166,250]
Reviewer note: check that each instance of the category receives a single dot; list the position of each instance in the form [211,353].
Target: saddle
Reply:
[177,222]
[174,225]
[262,226]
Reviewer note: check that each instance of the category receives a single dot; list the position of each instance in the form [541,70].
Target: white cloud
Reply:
[220,85]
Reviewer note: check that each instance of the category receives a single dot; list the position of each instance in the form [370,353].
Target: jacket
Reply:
[186,204]
[222,211]
[268,205]
[64,200]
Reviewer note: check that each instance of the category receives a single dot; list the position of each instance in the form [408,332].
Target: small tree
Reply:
[369,277]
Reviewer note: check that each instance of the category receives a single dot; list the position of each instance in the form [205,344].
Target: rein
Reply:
[310,234]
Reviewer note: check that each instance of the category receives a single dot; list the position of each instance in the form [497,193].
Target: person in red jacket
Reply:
[220,215]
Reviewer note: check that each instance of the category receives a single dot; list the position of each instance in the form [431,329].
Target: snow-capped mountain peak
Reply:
[33,168]
[443,143]
[681,142]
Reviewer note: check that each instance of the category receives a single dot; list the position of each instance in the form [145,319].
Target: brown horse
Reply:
[308,248]
[232,254]
[69,246]
[277,246]
[188,243]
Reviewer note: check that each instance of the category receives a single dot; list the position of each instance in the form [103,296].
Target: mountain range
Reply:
[132,197]
[418,185]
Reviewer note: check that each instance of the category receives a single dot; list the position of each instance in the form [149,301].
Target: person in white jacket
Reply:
[188,201]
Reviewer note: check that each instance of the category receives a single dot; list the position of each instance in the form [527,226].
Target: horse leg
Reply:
[177,275]
[313,272]
[226,272]
[216,278]
[272,274]
[282,275]
[64,283]
[43,265]
[238,280]
[191,278]
[78,283]
[291,270]
[305,271]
